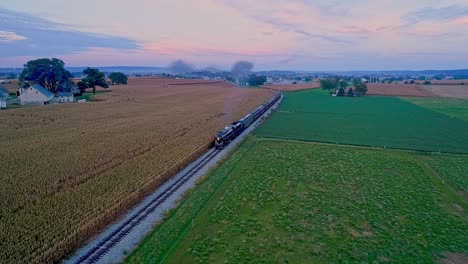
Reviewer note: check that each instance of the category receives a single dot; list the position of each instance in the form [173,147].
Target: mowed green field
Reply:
[452,107]
[299,202]
[387,122]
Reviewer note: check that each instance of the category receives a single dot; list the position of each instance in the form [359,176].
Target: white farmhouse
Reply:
[35,94]
[64,97]
[2,102]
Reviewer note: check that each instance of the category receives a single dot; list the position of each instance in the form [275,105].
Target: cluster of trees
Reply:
[256,80]
[340,85]
[51,74]
[250,80]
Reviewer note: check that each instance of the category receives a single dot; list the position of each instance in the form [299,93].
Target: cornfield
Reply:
[68,170]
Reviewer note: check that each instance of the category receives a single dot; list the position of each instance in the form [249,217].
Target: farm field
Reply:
[11,87]
[398,89]
[68,170]
[300,202]
[453,171]
[452,107]
[372,121]
[293,87]
[451,91]
[449,82]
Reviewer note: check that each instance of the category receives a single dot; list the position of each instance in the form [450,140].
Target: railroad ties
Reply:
[98,251]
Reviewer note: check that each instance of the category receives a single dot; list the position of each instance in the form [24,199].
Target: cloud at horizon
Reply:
[275,34]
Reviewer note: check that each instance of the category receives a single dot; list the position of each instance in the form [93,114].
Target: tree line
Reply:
[339,86]
[52,75]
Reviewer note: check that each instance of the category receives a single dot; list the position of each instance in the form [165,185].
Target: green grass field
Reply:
[298,202]
[370,121]
[452,107]
[452,170]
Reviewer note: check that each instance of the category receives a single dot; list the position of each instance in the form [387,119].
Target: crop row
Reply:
[385,122]
[301,202]
[68,170]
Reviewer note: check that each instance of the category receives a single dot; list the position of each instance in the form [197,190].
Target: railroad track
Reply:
[98,251]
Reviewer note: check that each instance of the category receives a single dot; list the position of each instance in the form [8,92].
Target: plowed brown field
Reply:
[451,91]
[68,170]
[448,82]
[395,89]
[11,87]
[293,87]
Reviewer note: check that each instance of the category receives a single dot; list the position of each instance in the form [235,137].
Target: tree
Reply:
[329,84]
[427,83]
[341,92]
[343,84]
[49,73]
[411,82]
[360,89]
[256,80]
[350,92]
[118,78]
[82,87]
[93,78]
[357,81]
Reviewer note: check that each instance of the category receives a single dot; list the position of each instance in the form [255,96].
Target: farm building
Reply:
[2,102]
[64,97]
[4,92]
[35,94]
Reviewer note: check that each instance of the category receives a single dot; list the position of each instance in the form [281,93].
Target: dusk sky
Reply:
[273,34]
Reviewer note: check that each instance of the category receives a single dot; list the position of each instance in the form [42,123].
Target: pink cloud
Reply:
[462,20]
[425,32]
[355,30]
[178,49]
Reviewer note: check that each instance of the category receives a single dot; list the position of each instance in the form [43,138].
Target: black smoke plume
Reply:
[181,67]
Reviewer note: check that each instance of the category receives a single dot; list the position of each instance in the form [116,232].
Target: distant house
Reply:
[2,102]
[35,94]
[64,97]
[4,92]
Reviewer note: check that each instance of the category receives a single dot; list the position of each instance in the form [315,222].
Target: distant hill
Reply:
[408,72]
[106,69]
[124,69]
[368,72]
[160,70]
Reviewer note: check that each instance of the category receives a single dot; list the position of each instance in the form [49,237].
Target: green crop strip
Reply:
[385,122]
[452,107]
[282,201]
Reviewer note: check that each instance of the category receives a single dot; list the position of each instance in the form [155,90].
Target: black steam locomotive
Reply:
[229,133]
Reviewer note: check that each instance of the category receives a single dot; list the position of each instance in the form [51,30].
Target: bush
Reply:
[427,83]
[351,92]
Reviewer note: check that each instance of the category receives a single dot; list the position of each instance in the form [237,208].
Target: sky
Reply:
[273,34]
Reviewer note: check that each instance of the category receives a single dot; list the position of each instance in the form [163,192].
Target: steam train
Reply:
[229,133]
